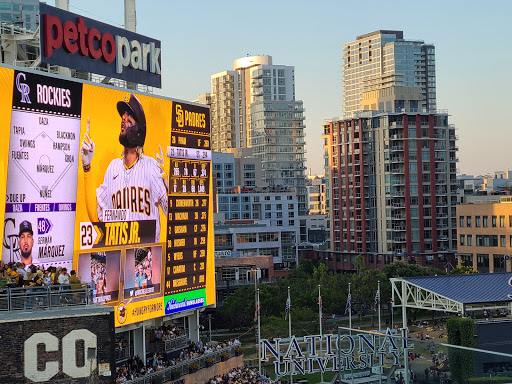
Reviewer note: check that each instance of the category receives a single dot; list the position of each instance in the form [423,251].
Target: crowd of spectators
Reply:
[241,376]
[134,367]
[18,275]
[164,332]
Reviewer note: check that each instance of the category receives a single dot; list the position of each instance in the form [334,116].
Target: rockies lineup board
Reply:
[140,233]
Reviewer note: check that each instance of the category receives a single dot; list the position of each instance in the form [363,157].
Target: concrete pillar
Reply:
[139,345]
[193,326]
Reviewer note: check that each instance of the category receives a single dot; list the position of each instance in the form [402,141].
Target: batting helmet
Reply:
[135,135]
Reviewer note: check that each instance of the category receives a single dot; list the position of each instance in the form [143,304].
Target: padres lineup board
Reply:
[136,224]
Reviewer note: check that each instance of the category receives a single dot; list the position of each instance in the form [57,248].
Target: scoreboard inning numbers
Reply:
[188,210]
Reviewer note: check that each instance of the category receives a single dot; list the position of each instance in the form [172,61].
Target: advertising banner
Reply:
[77,42]
[114,184]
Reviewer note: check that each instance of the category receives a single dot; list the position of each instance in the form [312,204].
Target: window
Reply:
[290,206]
[469,240]
[267,198]
[289,197]
[268,236]
[499,263]
[279,223]
[494,221]
[503,240]
[245,237]
[268,215]
[291,214]
[485,220]
[269,252]
[278,198]
[291,222]
[279,207]
[477,221]
[256,199]
[462,239]
[468,221]
[249,167]
[461,221]
[482,262]
[502,221]
[224,240]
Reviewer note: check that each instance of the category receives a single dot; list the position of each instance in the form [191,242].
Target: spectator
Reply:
[73,279]
[63,277]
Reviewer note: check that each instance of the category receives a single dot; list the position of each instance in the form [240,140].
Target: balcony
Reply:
[397,148]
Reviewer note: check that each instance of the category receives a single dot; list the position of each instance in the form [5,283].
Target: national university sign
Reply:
[321,353]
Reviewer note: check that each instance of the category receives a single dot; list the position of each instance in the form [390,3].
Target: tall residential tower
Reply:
[383,59]
[254,107]
[391,162]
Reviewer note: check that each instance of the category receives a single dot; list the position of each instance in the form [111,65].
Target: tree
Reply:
[359,264]
[463,270]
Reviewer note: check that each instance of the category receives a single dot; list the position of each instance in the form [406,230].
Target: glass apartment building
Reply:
[383,59]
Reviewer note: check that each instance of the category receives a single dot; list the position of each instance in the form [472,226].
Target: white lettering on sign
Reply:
[69,363]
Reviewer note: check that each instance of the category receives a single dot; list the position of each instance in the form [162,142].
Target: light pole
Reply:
[210,327]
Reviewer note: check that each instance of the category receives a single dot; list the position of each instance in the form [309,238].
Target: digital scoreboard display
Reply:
[137,229]
[189,200]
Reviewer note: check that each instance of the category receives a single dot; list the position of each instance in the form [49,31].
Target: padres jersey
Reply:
[139,189]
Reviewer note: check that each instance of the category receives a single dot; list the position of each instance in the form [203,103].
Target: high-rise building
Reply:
[254,107]
[391,180]
[24,13]
[383,59]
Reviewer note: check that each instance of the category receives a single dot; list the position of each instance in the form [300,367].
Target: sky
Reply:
[473,43]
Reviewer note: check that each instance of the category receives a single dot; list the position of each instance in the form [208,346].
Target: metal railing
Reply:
[50,297]
[176,343]
[240,283]
[181,369]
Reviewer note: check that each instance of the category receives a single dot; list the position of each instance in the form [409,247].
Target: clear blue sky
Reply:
[473,42]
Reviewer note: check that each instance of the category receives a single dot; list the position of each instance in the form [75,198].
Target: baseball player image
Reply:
[26,242]
[133,182]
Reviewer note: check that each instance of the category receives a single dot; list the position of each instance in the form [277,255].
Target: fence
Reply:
[184,368]
[169,345]
[51,297]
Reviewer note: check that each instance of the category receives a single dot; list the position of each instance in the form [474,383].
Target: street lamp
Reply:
[210,327]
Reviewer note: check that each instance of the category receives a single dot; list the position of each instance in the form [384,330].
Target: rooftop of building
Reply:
[398,34]
[367,114]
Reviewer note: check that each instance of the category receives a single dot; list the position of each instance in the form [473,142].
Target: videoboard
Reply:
[114,184]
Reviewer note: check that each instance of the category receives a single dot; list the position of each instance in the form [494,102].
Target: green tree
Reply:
[359,264]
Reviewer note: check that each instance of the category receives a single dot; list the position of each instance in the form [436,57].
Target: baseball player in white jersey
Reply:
[135,182]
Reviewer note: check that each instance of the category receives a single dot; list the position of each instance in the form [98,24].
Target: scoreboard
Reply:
[189,201]
[145,266]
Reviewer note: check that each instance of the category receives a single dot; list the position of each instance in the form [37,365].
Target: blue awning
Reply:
[468,289]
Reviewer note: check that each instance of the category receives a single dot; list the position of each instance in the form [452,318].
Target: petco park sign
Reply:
[73,41]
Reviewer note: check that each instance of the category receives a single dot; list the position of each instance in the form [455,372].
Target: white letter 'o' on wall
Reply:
[69,353]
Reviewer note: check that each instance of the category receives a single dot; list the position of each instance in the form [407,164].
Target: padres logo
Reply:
[179,116]
[121,312]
